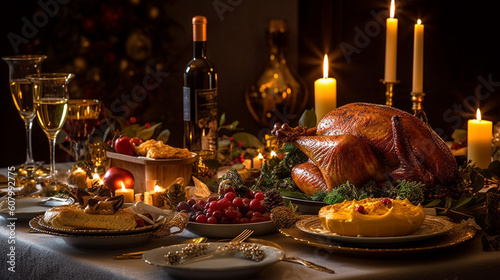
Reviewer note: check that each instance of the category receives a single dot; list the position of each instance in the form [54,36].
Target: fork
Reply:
[221,250]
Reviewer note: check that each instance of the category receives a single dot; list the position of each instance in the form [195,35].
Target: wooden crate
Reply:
[165,171]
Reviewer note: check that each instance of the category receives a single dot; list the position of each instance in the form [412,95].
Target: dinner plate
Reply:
[75,231]
[95,241]
[431,227]
[459,234]
[306,206]
[229,230]
[232,266]
[25,208]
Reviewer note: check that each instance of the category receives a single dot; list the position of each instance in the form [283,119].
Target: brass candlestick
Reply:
[389,91]
[417,98]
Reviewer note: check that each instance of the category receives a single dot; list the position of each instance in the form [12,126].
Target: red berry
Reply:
[213,206]
[262,208]
[231,138]
[230,189]
[210,199]
[259,196]
[244,220]
[235,220]
[256,215]
[231,214]
[212,220]
[249,194]
[147,125]
[246,201]
[133,120]
[249,214]
[255,204]
[386,201]
[238,214]
[191,202]
[256,220]
[202,203]
[230,196]
[237,202]
[223,204]
[201,219]
[360,209]
[217,214]
[139,222]
[224,220]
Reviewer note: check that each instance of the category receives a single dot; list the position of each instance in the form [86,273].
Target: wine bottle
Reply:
[200,96]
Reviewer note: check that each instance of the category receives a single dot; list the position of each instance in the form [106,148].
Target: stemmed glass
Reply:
[51,105]
[83,115]
[21,88]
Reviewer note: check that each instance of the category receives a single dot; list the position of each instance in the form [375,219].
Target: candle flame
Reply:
[158,188]
[203,133]
[273,154]
[123,185]
[260,157]
[393,8]
[419,22]
[478,114]
[325,67]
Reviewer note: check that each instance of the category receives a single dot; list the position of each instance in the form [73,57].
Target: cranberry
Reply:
[201,219]
[230,189]
[255,204]
[224,220]
[237,202]
[191,202]
[360,209]
[213,206]
[197,207]
[217,214]
[183,206]
[236,220]
[202,203]
[249,214]
[244,220]
[386,201]
[231,214]
[246,201]
[223,204]
[256,215]
[256,219]
[210,199]
[230,196]
[259,196]
[249,194]
[212,220]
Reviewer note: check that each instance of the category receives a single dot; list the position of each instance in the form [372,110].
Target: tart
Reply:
[372,217]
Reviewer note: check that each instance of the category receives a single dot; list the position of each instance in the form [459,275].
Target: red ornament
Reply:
[115,176]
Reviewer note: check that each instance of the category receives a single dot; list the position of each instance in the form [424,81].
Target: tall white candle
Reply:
[418,58]
[325,93]
[391,46]
[479,135]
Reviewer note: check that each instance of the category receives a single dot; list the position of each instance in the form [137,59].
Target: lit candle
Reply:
[273,154]
[156,199]
[257,161]
[391,46]
[418,57]
[479,135]
[147,198]
[128,194]
[325,93]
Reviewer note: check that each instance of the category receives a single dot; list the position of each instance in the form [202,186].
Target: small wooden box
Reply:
[165,171]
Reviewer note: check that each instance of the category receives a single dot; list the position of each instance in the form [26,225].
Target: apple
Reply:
[123,145]
[136,141]
[115,175]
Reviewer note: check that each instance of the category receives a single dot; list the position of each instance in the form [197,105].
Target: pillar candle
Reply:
[418,57]
[325,93]
[479,136]
[128,194]
[391,46]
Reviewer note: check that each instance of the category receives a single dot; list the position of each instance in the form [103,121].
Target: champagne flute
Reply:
[83,115]
[20,66]
[51,106]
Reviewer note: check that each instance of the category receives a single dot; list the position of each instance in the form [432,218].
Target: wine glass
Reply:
[21,88]
[51,106]
[83,115]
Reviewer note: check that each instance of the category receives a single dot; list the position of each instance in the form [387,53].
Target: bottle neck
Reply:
[199,49]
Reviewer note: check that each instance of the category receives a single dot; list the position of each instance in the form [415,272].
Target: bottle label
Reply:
[187,103]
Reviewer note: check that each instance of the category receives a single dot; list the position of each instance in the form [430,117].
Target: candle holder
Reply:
[389,91]
[417,98]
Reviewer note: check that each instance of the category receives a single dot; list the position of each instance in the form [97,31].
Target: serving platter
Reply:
[231,266]
[432,226]
[112,241]
[306,206]
[456,236]
[230,230]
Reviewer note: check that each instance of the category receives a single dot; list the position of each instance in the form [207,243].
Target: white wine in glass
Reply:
[21,89]
[51,97]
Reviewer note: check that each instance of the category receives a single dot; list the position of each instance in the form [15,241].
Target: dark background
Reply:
[93,39]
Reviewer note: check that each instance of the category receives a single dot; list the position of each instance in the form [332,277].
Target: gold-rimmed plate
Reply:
[76,231]
[456,236]
[432,226]
[95,241]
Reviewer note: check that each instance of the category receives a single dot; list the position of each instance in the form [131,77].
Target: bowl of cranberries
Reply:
[228,215]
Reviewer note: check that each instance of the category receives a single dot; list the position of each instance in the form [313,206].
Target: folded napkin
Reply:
[140,208]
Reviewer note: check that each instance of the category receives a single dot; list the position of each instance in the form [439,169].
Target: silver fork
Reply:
[221,250]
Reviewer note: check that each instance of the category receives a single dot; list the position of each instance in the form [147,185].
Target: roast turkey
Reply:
[359,142]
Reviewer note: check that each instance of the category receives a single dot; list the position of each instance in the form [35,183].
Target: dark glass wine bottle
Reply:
[200,96]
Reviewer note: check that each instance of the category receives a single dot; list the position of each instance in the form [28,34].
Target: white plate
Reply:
[223,267]
[230,230]
[432,226]
[25,208]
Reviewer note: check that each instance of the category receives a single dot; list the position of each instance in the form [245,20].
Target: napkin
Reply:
[158,214]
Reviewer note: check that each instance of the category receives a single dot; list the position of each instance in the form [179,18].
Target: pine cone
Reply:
[253,252]
[273,199]
[283,217]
